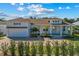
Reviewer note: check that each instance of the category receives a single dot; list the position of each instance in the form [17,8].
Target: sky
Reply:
[60,10]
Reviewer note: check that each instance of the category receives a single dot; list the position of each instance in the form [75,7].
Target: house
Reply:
[21,27]
[2,27]
[76,27]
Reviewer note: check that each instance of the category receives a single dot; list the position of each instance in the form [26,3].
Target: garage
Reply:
[18,32]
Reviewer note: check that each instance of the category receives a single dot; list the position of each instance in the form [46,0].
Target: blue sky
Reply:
[61,10]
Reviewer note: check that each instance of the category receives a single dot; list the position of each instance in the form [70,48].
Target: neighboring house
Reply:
[21,27]
[76,27]
[2,27]
[76,23]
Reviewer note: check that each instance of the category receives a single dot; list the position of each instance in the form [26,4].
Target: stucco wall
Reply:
[3,29]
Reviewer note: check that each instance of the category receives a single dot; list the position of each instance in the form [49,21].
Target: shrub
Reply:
[56,49]
[12,48]
[48,48]
[2,35]
[77,48]
[63,49]
[33,49]
[21,48]
[71,49]
[40,48]
[4,48]
[27,48]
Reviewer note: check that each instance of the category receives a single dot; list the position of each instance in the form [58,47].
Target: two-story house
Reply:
[21,27]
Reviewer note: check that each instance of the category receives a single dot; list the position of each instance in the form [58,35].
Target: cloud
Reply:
[13,3]
[60,8]
[38,9]
[67,7]
[20,8]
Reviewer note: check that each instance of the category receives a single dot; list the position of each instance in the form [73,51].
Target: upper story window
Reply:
[32,23]
[17,23]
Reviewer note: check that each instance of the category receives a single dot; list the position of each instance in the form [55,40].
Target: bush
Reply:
[45,35]
[64,50]
[34,34]
[77,49]
[48,48]
[21,48]
[33,49]
[71,49]
[40,48]
[2,35]
[12,48]
[4,48]
[27,48]
[56,49]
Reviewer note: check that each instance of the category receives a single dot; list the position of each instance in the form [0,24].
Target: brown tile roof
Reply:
[35,21]
[45,21]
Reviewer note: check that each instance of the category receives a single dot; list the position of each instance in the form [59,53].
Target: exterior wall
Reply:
[3,29]
[18,29]
[18,32]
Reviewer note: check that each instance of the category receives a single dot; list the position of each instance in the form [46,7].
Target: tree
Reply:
[69,20]
[77,19]
[1,19]
[34,32]
[34,29]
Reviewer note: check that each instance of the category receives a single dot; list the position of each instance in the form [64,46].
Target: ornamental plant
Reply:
[63,48]
[20,48]
[48,48]
[27,48]
[56,48]
[4,48]
[12,48]
[40,48]
[33,49]
[71,48]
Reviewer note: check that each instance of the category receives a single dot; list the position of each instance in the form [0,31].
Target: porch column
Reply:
[50,30]
[71,30]
[66,29]
[40,30]
[61,31]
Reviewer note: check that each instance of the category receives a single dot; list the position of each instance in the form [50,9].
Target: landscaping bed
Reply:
[41,48]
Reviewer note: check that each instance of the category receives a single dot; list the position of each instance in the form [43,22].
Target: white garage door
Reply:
[18,32]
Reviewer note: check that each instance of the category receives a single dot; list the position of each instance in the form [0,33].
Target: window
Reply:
[64,28]
[17,23]
[32,23]
[45,29]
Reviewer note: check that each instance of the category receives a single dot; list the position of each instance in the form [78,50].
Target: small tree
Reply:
[21,48]
[34,32]
[33,49]
[48,48]
[27,48]
[40,48]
